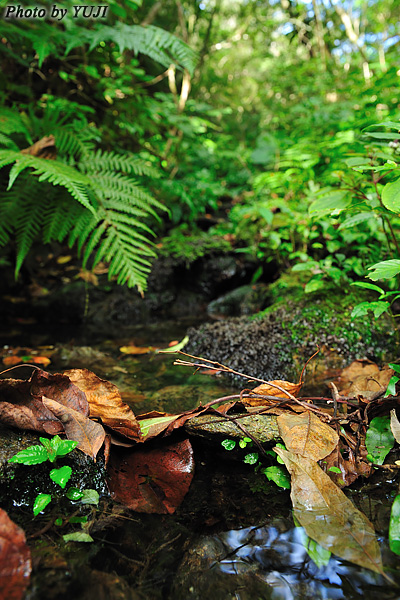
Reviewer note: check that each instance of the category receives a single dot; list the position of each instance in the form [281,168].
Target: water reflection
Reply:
[276,555]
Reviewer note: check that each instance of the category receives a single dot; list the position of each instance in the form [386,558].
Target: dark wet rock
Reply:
[20,484]
[244,300]
[276,343]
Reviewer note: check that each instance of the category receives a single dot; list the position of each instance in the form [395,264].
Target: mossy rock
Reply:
[276,343]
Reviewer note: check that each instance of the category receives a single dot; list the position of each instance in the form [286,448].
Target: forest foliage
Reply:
[274,126]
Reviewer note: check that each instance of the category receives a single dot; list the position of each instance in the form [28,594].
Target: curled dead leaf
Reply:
[89,434]
[105,403]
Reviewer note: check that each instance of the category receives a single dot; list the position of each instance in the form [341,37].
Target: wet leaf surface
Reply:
[89,434]
[18,408]
[15,560]
[328,516]
[152,480]
[105,403]
[305,434]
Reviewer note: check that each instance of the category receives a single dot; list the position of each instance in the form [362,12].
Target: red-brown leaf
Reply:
[15,559]
[19,409]
[89,434]
[152,481]
[59,387]
[105,403]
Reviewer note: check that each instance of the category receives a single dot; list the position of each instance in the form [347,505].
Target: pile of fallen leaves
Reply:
[325,444]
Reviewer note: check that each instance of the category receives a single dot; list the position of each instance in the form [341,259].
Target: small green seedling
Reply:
[50,450]
[277,474]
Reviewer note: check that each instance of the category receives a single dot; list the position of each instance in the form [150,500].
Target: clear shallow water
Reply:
[230,542]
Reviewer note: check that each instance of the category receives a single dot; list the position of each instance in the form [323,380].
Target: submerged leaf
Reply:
[394,526]
[328,516]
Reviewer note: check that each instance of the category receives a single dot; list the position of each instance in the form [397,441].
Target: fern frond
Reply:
[115,185]
[112,161]
[12,122]
[56,172]
[29,222]
[7,142]
[158,44]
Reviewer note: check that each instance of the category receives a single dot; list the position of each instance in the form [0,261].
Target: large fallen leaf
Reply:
[89,434]
[105,403]
[154,480]
[18,408]
[59,387]
[15,559]
[328,516]
[363,378]
[307,435]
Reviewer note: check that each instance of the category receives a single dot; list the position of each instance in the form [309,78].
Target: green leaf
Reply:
[77,536]
[61,476]
[391,388]
[34,455]
[278,475]
[177,347]
[313,285]
[394,526]
[335,470]
[379,439]
[251,459]
[391,196]
[41,501]
[330,204]
[228,444]
[385,269]
[368,286]
[74,494]
[62,447]
[90,497]
[395,367]
[319,555]
[388,124]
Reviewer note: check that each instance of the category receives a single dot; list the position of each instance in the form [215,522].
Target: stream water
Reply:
[232,538]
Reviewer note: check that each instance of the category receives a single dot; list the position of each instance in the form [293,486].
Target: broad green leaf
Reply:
[391,388]
[395,367]
[384,270]
[330,204]
[391,196]
[278,475]
[41,501]
[63,447]
[378,308]
[61,476]
[228,444]
[74,494]
[357,219]
[90,497]
[34,455]
[380,135]
[154,426]
[251,458]
[313,285]
[368,286]
[307,266]
[394,526]
[328,516]
[388,124]
[77,536]
[379,439]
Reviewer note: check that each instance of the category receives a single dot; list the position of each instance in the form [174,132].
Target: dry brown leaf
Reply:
[89,434]
[395,425]
[19,409]
[269,389]
[307,435]
[328,516]
[58,387]
[351,467]
[105,403]
[43,148]
[363,378]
